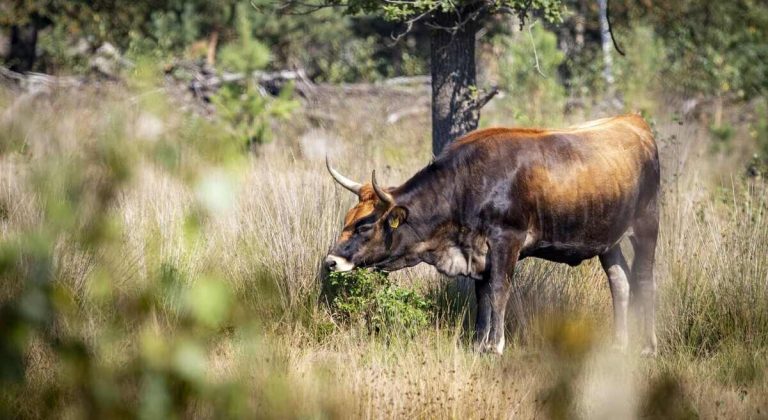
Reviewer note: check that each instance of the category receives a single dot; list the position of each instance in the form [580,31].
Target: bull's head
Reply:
[375,232]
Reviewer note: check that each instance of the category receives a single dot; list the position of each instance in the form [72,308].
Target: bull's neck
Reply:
[430,195]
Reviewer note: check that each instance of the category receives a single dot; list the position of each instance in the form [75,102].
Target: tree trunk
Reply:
[23,48]
[454,90]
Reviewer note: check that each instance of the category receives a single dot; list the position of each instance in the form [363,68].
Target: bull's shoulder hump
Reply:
[602,126]
[605,126]
[499,134]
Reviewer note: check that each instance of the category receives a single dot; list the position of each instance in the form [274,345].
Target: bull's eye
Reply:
[364,228]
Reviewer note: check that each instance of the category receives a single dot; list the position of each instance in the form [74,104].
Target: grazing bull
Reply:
[498,195]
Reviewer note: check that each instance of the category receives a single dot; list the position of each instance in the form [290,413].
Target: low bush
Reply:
[370,298]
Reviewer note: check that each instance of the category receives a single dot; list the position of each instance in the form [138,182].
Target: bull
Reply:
[498,195]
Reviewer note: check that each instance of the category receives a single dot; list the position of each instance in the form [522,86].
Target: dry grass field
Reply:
[151,267]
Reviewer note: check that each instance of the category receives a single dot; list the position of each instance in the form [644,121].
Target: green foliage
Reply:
[247,54]
[551,10]
[245,109]
[246,112]
[638,72]
[527,71]
[355,61]
[173,30]
[335,47]
[157,28]
[59,52]
[721,135]
[347,66]
[717,48]
[371,298]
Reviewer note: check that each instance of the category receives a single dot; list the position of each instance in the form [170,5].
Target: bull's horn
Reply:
[342,180]
[383,195]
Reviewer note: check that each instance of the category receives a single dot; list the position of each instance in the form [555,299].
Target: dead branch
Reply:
[610,27]
[481,101]
[408,80]
[38,82]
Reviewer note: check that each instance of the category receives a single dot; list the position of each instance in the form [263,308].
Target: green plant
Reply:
[371,298]
[246,54]
[715,48]
[722,134]
[245,108]
[355,61]
[246,111]
[172,29]
[58,51]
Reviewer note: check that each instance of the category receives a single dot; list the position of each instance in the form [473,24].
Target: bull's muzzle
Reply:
[336,263]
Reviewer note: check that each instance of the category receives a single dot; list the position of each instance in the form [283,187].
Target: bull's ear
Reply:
[397,216]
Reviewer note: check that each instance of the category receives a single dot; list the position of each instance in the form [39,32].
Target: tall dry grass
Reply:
[261,224]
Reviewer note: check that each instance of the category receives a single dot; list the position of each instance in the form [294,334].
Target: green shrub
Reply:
[355,60]
[59,53]
[245,109]
[247,53]
[369,297]
[246,112]
[722,135]
[172,30]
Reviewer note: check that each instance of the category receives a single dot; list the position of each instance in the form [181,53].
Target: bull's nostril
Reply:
[330,263]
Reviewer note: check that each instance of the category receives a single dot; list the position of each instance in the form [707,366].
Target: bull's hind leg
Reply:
[616,268]
[643,283]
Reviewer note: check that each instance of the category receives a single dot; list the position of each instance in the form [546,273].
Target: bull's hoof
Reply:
[648,352]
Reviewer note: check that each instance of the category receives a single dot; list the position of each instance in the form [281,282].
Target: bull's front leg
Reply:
[484,310]
[493,293]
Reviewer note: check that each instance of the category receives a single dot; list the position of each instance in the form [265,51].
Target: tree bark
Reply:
[23,48]
[454,91]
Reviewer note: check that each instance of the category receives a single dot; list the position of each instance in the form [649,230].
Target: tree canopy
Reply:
[414,10]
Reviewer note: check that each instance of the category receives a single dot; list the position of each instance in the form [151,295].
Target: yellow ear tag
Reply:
[394,222]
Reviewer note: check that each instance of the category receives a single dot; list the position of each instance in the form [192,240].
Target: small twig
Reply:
[535,53]
[289,7]
[409,25]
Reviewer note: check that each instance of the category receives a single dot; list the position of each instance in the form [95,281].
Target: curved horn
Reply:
[342,180]
[383,195]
